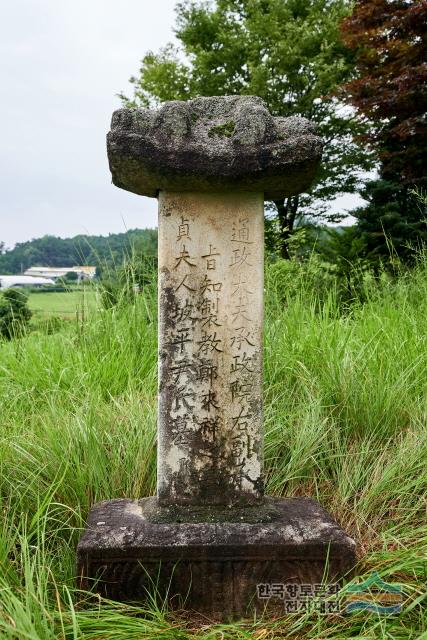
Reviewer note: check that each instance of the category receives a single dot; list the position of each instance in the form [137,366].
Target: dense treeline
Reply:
[103,252]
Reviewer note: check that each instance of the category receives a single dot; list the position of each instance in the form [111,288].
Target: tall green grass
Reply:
[345,420]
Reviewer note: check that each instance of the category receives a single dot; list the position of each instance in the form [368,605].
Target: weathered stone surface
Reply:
[212,568]
[210,348]
[229,143]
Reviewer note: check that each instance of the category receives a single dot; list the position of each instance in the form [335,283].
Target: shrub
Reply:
[14,313]
[120,286]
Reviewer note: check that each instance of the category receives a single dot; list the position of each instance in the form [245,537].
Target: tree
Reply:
[71,276]
[392,223]
[14,313]
[288,52]
[389,40]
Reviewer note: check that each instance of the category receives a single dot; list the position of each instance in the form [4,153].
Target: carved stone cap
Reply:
[228,143]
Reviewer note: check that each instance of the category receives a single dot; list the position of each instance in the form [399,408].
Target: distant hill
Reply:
[99,251]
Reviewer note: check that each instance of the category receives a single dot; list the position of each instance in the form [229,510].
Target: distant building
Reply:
[83,273]
[7,282]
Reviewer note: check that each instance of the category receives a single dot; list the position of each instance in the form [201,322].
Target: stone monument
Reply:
[210,539]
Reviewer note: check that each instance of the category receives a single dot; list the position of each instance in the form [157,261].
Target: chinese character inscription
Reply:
[211,284]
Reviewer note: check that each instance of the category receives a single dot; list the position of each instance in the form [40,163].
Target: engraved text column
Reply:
[210,346]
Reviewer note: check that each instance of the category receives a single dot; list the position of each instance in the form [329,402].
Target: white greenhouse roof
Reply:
[23,281]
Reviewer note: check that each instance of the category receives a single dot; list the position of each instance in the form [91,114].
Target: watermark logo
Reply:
[374,595]
[302,598]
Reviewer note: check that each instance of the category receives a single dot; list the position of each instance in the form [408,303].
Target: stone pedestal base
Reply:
[213,567]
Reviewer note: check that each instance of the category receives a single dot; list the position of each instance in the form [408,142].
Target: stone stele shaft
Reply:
[210,348]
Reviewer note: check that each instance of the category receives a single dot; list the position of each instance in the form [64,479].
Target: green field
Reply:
[345,420]
[62,304]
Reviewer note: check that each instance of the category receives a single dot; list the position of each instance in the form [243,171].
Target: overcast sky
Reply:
[62,62]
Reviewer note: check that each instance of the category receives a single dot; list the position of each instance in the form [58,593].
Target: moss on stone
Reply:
[225,130]
[264,512]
